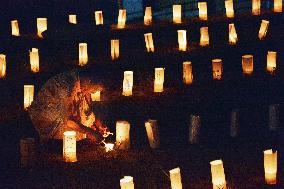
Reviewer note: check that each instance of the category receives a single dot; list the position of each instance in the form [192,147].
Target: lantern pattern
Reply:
[152,133]
[96,96]
[28,95]
[83,54]
[182,41]
[271,62]
[175,177]
[41,26]
[204,36]
[177,14]
[256,7]
[278,6]
[34,60]
[229,5]
[187,73]
[69,146]
[202,6]
[15,28]
[263,29]
[270,166]
[159,80]
[233,37]
[73,19]
[217,69]
[123,135]
[2,65]
[126,182]
[148,16]
[194,128]
[121,18]
[247,64]
[218,175]
[149,42]
[28,152]
[127,83]
[99,17]
[114,45]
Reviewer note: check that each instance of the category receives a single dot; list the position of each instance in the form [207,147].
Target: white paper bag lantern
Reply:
[96,96]
[69,146]
[256,7]
[233,37]
[159,80]
[126,182]
[123,135]
[34,60]
[83,54]
[202,6]
[99,17]
[218,175]
[229,5]
[114,43]
[274,117]
[175,177]
[247,64]
[204,36]
[278,6]
[121,18]
[28,95]
[73,19]
[149,42]
[177,14]
[41,26]
[152,133]
[2,66]
[127,83]
[182,41]
[263,29]
[187,73]
[271,61]
[28,151]
[148,16]
[270,166]
[217,69]
[194,129]
[15,28]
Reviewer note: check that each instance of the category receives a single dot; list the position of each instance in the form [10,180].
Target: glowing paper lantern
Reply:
[194,128]
[182,41]
[28,152]
[127,182]
[177,14]
[99,17]
[149,42]
[152,133]
[123,135]
[114,45]
[256,7]
[274,117]
[69,146]
[109,147]
[233,37]
[2,65]
[72,19]
[159,80]
[217,69]
[28,95]
[148,16]
[204,36]
[175,178]
[218,175]
[278,6]
[270,166]
[121,18]
[15,28]
[41,26]
[127,83]
[229,5]
[271,62]
[263,29]
[234,126]
[96,96]
[202,6]
[247,64]
[187,73]
[83,54]
[34,60]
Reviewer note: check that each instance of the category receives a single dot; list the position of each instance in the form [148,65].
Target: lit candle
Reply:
[2,65]
[121,18]
[218,175]
[256,7]
[123,135]
[175,178]
[69,146]
[233,37]
[148,16]
[159,80]
[263,29]
[72,19]
[204,36]
[270,166]
[177,14]
[278,6]
[15,28]
[114,43]
[271,62]
[96,96]
[229,5]
[149,42]
[247,64]
[83,54]
[187,73]
[127,83]
[217,69]
[34,60]
[202,6]
[152,133]
[28,95]
[182,41]
[41,26]
[99,17]
[127,182]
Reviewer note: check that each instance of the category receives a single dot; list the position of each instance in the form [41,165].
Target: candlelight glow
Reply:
[256,7]
[72,19]
[159,80]
[149,42]
[99,17]
[2,65]
[121,18]
[177,14]
[271,62]
[247,64]
[217,69]
[15,28]
[34,60]
[218,175]
[204,36]
[69,146]
[182,41]
[152,133]
[127,83]
[202,6]
[263,29]
[41,26]
[278,6]
[233,37]
[229,5]
[83,54]
[127,182]
[270,166]
[123,135]
[96,96]
[109,147]
[28,95]
[175,178]
[148,16]
[187,73]
[114,43]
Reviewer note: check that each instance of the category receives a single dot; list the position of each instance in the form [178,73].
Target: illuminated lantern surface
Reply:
[202,6]
[123,135]
[256,7]
[28,95]
[229,5]
[96,96]
[109,147]
[218,175]
[2,65]
[217,69]
[278,6]
[148,16]
[175,177]
[114,43]
[187,73]
[41,26]
[15,28]
[159,80]
[182,41]
[270,166]
[127,182]
[99,17]
[69,146]
[34,60]
[263,29]
[271,62]
[247,64]
[28,152]
[83,54]
[177,14]
[149,42]
[127,83]
[72,19]
[204,36]
[121,18]
[233,37]
[152,133]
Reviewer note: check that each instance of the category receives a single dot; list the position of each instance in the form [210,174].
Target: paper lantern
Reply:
[217,69]
[187,73]
[218,175]
[233,37]
[159,80]
[234,126]
[177,14]
[194,128]
[69,146]
[247,64]
[152,133]
[271,62]
[114,43]
[34,60]
[204,36]
[175,178]
[72,19]
[182,41]
[278,6]
[83,54]
[202,6]
[229,5]
[2,65]
[41,26]
[15,28]
[96,96]
[127,182]
[28,151]
[263,29]
[274,117]
[149,42]
[127,83]
[121,18]
[256,7]
[270,166]
[148,16]
[99,17]
[28,95]
[123,135]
